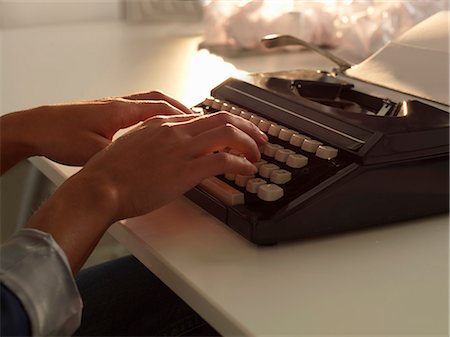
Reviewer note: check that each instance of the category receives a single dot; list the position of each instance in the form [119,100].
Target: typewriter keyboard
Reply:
[292,163]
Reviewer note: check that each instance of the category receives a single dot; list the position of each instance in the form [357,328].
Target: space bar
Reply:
[222,191]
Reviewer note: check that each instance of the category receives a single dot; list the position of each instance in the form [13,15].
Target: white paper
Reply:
[416,63]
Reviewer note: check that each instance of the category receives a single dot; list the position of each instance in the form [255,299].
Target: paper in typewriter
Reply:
[416,63]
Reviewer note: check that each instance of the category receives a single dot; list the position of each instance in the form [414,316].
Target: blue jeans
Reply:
[123,298]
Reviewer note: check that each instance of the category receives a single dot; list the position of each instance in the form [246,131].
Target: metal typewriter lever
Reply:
[274,40]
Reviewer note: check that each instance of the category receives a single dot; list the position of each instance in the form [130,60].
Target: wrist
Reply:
[94,194]
[77,215]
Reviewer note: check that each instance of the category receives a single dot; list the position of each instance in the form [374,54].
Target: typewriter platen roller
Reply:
[337,158]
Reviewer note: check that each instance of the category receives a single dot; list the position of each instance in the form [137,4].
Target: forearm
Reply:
[77,216]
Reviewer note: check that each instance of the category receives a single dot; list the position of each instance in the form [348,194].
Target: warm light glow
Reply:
[272,9]
[206,71]
[404,110]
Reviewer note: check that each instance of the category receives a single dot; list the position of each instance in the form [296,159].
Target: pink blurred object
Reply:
[360,27]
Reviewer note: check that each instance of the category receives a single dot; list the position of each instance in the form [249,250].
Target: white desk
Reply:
[381,282]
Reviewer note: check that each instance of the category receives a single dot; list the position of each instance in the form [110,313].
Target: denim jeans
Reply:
[123,298]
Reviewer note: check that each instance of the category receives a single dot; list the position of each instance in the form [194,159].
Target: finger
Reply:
[221,137]
[136,111]
[156,122]
[207,122]
[167,120]
[174,119]
[220,163]
[158,96]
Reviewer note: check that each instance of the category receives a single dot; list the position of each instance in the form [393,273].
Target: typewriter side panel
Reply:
[368,196]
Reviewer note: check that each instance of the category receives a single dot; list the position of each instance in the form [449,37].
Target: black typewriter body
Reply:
[390,161]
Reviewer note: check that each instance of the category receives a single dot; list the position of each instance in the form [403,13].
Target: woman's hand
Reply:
[72,133]
[151,165]
[167,155]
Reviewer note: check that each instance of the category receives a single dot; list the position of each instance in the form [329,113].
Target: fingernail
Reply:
[264,137]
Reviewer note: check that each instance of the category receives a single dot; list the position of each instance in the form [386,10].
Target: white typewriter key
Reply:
[297,139]
[274,130]
[286,134]
[264,125]
[326,152]
[259,163]
[283,154]
[217,104]
[230,176]
[280,176]
[242,180]
[222,191]
[225,106]
[253,184]
[297,161]
[270,192]
[255,119]
[197,110]
[265,170]
[208,101]
[245,114]
[270,149]
[235,110]
[310,145]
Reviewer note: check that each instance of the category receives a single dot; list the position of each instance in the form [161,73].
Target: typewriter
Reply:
[337,159]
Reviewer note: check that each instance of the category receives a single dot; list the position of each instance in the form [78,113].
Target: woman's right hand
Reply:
[166,156]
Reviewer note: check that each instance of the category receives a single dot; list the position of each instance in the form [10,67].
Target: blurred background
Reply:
[229,28]
[358,26]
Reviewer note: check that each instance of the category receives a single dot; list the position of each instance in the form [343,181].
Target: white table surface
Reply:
[386,281]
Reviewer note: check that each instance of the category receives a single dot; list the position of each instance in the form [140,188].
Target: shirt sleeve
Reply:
[35,269]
